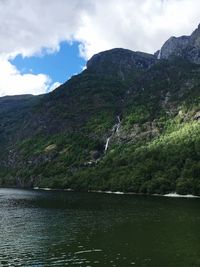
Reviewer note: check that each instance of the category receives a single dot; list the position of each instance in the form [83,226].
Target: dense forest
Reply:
[129,122]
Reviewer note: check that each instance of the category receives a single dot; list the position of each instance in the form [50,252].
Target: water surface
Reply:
[55,228]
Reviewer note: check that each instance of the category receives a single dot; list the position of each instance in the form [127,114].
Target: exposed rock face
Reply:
[174,46]
[187,47]
[120,61]
[145,131]
[197,116]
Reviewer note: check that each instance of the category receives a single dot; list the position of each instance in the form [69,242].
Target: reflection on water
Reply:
[39,228]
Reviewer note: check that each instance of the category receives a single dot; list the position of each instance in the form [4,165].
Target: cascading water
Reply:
[118,124]
[107,143]
[159,54]
[115,129]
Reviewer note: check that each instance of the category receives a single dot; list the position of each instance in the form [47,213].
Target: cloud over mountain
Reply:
[34,27]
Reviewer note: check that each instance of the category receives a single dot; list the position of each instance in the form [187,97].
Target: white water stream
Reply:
[159,54]
[115,129]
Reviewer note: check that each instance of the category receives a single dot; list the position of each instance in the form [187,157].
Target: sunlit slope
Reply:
[129,122]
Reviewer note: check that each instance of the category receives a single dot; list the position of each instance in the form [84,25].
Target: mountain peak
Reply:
[119,62]
[187,47]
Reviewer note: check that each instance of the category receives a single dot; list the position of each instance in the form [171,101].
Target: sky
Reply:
[45,42]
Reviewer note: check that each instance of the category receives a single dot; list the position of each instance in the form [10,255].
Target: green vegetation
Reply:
[58,140]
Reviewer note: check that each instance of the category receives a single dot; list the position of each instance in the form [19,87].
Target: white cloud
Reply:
[31,27]
[135,24]
[12,82]
[53,86]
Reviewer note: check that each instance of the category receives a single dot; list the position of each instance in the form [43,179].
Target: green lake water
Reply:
[56,228]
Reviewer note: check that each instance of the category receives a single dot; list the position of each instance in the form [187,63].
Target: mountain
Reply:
[187,47]
[129,122]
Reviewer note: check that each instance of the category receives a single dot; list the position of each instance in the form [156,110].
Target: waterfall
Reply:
[118,118]
[159,54]
[118,124]
[107,143]
[115,129]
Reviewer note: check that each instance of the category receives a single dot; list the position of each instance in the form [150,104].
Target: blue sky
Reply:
[59,66]
[29,29]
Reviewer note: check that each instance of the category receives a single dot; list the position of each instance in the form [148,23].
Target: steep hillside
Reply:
[187,47]
[129,122]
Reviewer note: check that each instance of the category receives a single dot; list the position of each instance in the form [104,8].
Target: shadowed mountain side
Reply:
[129,122]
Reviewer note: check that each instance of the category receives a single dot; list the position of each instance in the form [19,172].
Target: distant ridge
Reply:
[127,123]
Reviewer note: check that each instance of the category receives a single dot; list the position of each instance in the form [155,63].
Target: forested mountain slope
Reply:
[129,122]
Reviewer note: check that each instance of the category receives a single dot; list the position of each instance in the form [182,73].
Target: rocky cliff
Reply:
[120,62]
[129,122]
[187,47]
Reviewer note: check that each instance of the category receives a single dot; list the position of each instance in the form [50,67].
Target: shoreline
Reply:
[169,195]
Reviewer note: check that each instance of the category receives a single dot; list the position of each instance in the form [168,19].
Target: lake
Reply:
[57,228]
